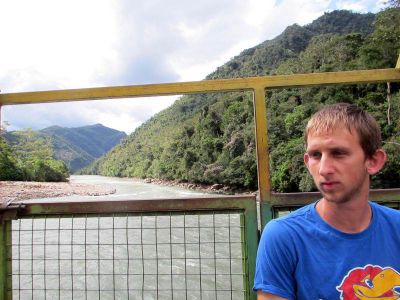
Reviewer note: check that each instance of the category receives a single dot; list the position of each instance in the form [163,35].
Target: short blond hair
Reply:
[351,117]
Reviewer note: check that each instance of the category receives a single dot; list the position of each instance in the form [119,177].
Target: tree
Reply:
[30,157]
[8,165]
[381,49]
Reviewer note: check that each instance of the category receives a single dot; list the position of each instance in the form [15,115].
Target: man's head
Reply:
[343,151]
[351,117]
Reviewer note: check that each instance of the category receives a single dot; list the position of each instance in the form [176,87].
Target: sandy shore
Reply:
[23,190]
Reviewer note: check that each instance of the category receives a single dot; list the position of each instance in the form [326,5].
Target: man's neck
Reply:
[349,217]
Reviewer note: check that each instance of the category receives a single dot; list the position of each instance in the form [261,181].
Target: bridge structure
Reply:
[194,248]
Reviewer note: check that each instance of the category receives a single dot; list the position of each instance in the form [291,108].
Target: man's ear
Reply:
[306,158]
[375,163]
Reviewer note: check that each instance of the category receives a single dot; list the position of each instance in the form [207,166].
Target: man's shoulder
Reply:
[298,219]
[389,213]
[298,214]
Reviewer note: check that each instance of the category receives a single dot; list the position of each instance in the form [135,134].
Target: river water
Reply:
[128,188]
[133,256]
[135,189]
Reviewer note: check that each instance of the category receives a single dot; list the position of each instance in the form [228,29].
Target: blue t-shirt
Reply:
[300,256]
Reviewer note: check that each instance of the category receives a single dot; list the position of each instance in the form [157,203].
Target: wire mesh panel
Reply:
[130,256]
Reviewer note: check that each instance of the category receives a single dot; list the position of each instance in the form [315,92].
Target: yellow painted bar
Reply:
[260,116]
[255,84]
[278,81]
[398,63]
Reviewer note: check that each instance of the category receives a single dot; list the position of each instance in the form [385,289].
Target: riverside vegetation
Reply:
[209,138]
[31,160]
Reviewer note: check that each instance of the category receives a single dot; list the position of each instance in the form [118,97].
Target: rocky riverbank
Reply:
[208,188]
[23,190]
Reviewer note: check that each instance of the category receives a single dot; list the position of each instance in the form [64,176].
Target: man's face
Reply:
[338,165]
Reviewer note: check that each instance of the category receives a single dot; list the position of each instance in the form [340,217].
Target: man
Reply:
[343,246]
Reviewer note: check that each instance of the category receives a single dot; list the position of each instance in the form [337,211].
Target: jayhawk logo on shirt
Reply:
[370,282]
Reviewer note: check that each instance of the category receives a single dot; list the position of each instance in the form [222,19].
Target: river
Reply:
[130,256]
[128,188]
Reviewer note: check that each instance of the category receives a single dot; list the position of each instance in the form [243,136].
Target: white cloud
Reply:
[246,25]
[122,114]
[63,44]
[362,6]
[58,44]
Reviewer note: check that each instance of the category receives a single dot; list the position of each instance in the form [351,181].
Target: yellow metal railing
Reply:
[257,85]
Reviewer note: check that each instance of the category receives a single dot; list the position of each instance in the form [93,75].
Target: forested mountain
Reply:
[209,138]
[266,57]
[77,147]
[29,158]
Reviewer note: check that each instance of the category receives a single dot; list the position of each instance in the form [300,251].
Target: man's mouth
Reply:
[329,185]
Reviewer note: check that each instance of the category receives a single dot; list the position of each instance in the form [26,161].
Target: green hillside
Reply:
[77,147]
[209,138]
[28,157]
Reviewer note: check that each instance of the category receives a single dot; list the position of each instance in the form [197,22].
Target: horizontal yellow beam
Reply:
[250,83]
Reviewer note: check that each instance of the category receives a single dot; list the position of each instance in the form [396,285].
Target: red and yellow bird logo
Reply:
[370,282]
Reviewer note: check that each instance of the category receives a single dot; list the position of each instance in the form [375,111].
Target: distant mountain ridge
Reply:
[79,146]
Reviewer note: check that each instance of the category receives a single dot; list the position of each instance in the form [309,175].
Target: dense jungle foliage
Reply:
[31,160]
[209,138]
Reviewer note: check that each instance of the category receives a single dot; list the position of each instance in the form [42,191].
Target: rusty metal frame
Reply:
[41,207]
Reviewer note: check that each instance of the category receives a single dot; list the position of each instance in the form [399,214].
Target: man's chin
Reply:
[334,198]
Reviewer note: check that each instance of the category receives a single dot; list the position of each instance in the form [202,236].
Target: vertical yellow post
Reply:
[264,186]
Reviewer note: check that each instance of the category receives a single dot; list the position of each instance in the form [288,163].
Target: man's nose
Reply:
[326,165]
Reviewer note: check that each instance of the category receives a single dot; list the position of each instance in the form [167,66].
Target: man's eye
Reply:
[338,153]
[315,155]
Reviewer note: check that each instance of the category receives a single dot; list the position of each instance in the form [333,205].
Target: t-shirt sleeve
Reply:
[276,261]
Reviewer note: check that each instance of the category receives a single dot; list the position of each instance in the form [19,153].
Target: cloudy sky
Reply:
[63,44]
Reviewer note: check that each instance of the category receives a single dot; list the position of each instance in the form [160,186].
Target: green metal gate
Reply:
[200,248]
